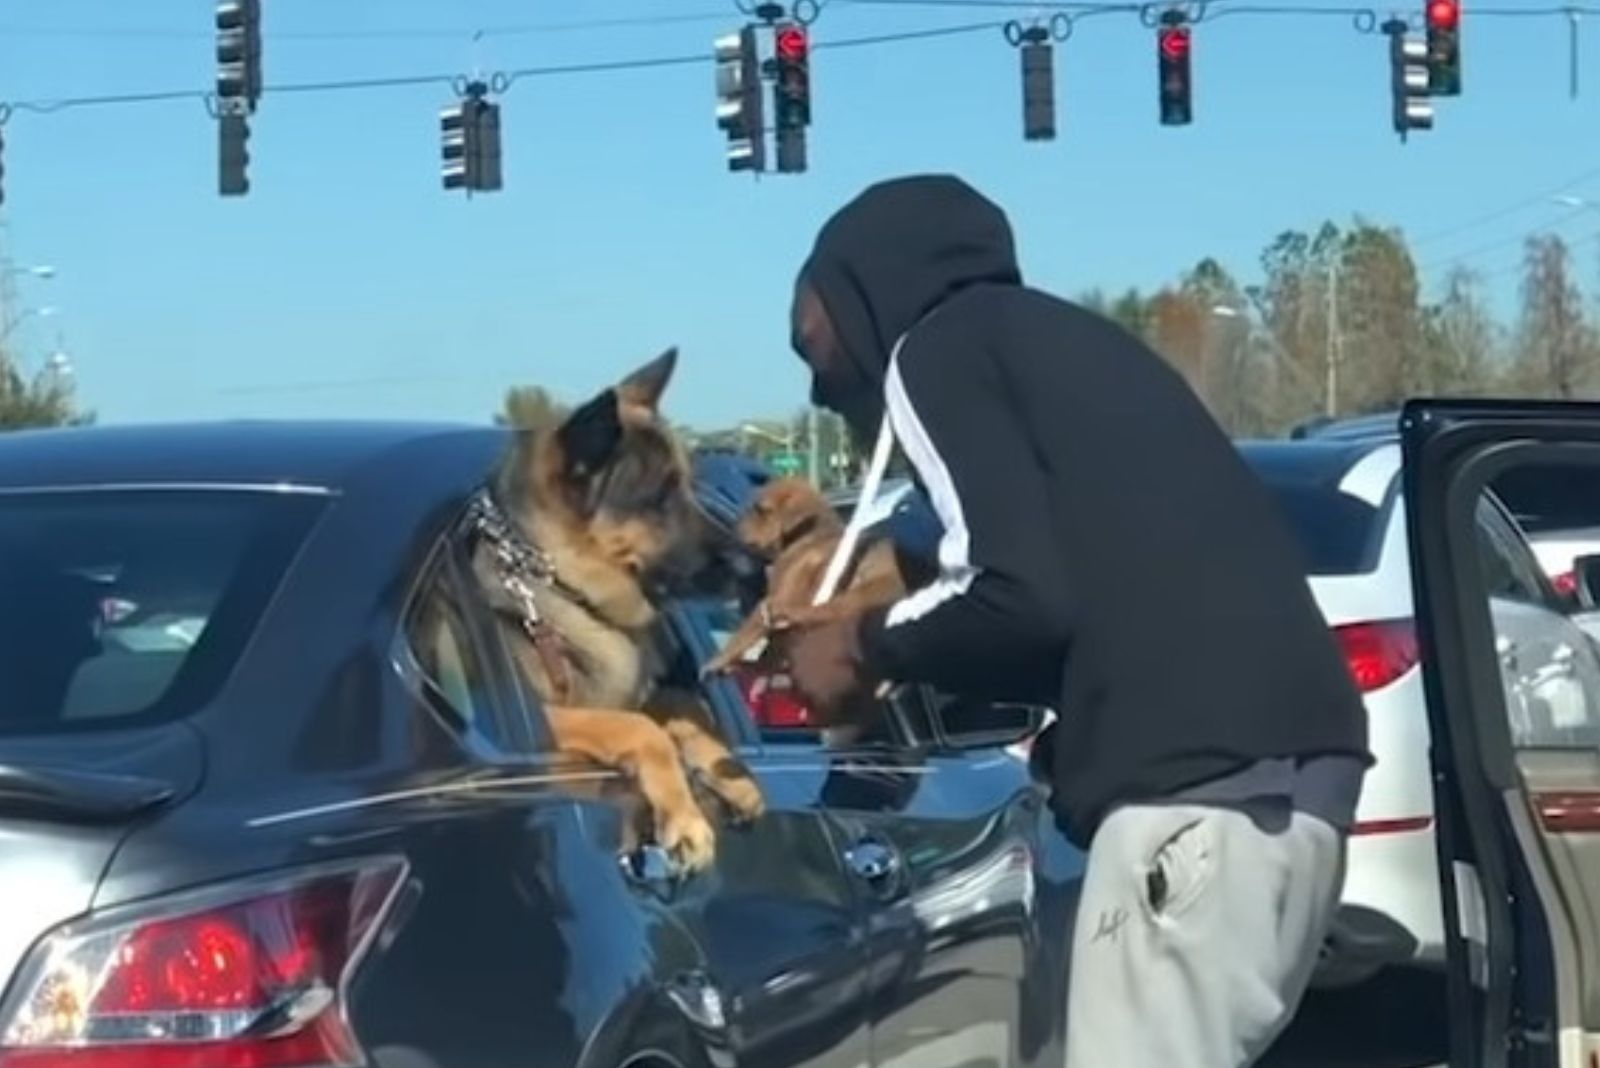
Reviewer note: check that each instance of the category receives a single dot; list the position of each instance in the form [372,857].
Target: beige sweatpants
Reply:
[1197,932]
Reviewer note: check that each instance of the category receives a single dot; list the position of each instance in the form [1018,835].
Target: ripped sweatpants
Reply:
[1198,929]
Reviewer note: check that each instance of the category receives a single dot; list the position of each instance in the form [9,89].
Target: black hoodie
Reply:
[1105,546]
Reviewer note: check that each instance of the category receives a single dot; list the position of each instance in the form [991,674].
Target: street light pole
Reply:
[27,313]
[1284,360]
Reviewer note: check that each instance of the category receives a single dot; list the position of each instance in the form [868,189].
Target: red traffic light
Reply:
[1444,14]
[792,44]
[1175,43]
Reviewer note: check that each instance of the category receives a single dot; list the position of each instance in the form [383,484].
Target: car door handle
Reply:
[872,861]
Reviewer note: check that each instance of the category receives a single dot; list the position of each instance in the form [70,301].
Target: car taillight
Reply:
[247,976]
[1380,652]
[773,704]
[1566,583]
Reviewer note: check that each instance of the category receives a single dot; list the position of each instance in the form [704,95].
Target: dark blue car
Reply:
[273,794]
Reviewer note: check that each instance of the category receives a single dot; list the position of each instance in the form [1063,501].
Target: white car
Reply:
[1556,507]
[1342,497]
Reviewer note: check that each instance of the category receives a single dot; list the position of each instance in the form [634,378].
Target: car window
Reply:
[1550,498]
[1549,667]
[1509,569]
[778,714]
[125,607]
[454,666]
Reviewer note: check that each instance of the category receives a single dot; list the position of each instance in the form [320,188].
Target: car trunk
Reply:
[66,803]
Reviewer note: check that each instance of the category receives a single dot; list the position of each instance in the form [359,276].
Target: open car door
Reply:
[1513,688]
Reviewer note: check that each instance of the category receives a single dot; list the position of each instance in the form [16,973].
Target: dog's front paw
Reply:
[689,838]
[744,797]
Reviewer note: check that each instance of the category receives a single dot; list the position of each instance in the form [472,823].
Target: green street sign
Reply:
[785,463]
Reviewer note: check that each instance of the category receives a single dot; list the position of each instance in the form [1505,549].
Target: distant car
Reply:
[273,794]
[1341,495]
[1557,508]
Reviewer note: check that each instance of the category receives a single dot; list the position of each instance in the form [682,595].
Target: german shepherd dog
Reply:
[601,511]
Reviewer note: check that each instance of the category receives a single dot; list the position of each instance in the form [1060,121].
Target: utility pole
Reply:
[813,458]
[1333,339]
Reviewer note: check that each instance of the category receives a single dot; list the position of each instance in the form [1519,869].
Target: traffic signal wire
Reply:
[1203,10]
[504,79]
[420,34]
[1542,198]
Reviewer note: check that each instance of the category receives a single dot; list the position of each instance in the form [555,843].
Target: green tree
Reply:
[45,400]
[1131,310]
[1378,351]
[530,408]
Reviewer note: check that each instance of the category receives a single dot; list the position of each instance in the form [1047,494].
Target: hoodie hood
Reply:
[896,252]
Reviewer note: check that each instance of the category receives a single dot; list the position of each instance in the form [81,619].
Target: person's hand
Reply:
[825,663]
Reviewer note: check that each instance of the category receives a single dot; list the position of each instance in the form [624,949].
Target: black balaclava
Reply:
[885,260]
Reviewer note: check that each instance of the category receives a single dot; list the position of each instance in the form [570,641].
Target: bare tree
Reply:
[1555,343]
[1463,339]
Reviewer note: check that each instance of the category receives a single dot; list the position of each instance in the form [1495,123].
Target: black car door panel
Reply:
[1514,707]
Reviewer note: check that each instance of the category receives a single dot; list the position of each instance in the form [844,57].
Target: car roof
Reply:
[1374,425]
[1315,459]
[320,454]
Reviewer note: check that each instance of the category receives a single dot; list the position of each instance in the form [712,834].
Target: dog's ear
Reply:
[590,435]
[645,386]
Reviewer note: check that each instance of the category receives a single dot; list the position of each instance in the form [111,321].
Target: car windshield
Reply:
[130,607]
[1339,532]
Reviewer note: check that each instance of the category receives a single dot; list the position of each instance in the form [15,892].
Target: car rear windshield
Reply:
[1340,534]
[130,606]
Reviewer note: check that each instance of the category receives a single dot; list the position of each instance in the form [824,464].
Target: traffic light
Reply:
[469,132]
[1038,85]
[791,95]
[1174,43]
[233,161]
[490,172]
[1444,47]
[1408,80]
[739,100]
[239,51]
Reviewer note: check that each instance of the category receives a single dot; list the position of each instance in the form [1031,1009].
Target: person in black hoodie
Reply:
[1105,549]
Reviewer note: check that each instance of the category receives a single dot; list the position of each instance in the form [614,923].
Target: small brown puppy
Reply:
[792,526]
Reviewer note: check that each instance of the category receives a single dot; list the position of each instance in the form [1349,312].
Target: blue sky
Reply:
[349,283]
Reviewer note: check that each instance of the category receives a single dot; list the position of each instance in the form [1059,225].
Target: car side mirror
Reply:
[1586,582]
[971,723]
